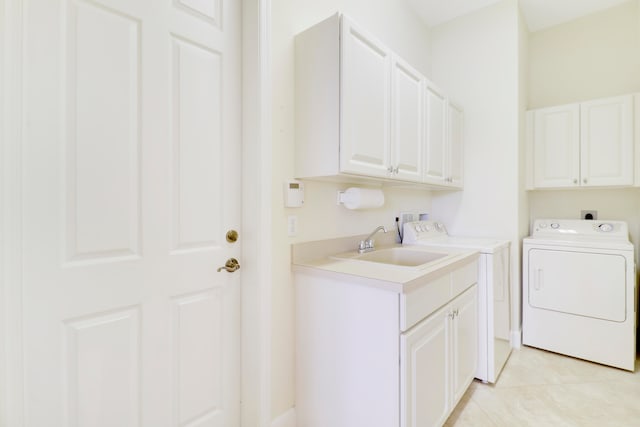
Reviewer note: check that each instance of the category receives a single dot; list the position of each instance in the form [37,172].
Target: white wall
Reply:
[476,60]
[400,29]
[594,56]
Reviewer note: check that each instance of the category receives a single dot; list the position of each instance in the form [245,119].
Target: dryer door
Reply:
[579,283]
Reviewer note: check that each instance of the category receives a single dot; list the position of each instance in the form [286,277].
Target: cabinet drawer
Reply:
[464,278]
[426,299]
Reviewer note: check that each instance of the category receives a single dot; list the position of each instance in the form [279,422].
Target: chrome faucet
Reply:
[366,245]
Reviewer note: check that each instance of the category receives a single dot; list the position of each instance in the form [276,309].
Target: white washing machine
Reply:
[494,301]
[579,290]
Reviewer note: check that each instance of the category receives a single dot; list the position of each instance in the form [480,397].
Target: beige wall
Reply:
[591,57]
[476,59]
[399,28]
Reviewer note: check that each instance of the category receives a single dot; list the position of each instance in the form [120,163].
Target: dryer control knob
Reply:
[555,225]
[605,227]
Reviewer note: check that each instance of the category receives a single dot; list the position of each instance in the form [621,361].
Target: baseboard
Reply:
[516,339]
[287,419]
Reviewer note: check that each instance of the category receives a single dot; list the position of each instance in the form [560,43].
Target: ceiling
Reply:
[538,14]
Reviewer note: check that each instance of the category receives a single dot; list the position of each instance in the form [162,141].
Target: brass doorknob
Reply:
[232,236]
[231,265]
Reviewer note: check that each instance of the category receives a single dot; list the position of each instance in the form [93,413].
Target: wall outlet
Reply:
[588,214]
[407,217]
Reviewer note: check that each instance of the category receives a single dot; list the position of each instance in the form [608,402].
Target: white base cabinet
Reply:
[372,357]
[438,358]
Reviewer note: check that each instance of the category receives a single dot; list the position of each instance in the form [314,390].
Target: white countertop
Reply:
[315,258]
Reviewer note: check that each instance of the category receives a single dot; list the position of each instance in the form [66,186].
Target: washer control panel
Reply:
[570,228]
[421,230]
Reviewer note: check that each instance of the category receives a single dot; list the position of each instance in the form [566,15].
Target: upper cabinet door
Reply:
[407,124]
[455,138]
[557,146]
[606,127]
[435,150]
[366,106]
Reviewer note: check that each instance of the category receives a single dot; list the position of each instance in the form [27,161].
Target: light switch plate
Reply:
[292,225]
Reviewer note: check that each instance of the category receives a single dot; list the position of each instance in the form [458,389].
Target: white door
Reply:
[557,146]
[407,122]
[606,133]
[435,154]
[130,182]
[366,104]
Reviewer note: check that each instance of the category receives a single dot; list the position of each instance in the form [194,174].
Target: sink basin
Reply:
[402,257]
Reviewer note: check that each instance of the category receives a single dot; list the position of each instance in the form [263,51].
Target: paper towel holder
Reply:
[360,198]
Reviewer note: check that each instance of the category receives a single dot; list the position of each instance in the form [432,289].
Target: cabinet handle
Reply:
[390,169]
[584,180]
[575,181]
[396,170]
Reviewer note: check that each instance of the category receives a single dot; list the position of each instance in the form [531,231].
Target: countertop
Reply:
[315,258]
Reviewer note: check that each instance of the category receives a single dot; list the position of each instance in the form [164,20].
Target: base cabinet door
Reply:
[465,341]
[425,389]
[447,338]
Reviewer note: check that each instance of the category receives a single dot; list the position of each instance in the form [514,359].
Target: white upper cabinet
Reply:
[443,144]
[361,109]
[606,135]
[407,122]
[582,145]
[435,153]
[455,145]
[366,103]
[557,146]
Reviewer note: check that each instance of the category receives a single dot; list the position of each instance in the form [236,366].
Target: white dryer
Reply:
[494,301]
[579,290]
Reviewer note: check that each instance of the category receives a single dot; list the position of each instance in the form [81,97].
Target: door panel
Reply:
[101,154]
[197,142]
[131,177]
[103,349]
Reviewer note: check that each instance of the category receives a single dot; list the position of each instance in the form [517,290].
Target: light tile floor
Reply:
[539,388]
